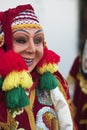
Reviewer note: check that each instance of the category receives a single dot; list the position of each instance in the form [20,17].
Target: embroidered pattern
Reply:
[83,83]
[46,119]
[14,113]
[44,97]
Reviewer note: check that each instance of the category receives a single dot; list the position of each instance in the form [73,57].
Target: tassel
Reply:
[47,66]
[48,81]
[14,85]
[16,98]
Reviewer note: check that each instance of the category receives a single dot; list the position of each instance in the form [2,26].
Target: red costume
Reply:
[80,94]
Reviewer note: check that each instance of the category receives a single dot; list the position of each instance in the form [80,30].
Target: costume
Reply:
[35,100]
[80,93]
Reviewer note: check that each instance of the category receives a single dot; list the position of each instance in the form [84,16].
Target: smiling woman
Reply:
[30,83]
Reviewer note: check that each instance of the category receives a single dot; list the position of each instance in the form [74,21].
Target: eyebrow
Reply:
[27,31]
[38,31]
[21,30]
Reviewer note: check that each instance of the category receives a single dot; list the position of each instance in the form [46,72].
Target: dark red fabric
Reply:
[80,98]
[75,67]
[64,84]
[3,109]
[23,121]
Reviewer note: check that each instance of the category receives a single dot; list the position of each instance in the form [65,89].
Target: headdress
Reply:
[22,16]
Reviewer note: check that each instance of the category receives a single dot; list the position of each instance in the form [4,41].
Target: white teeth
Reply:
[28,61]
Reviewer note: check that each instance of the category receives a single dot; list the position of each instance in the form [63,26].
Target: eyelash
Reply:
[36,40]
[21,41]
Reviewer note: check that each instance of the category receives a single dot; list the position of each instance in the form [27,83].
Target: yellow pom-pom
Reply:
[11,81]
[48,67]
[15,78]
[25,79]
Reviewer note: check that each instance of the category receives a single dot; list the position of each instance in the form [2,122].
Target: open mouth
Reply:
[28,61]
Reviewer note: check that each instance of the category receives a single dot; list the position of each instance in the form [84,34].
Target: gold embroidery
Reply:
[83,122]
[29,111]
[83,83]
[11,124]
[84,107]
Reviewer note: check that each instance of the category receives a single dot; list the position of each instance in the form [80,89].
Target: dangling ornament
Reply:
[14,79]
[46,67]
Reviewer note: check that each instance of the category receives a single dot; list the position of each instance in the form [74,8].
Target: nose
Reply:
[31,46]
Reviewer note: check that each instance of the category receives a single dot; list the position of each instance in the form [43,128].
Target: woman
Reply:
[33,94]
[77,80]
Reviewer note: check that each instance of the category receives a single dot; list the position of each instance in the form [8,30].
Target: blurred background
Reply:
[60,21]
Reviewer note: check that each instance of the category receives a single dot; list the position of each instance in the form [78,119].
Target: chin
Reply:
[30,69]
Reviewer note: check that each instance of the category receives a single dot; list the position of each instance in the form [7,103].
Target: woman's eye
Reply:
[21,41]
[38,40]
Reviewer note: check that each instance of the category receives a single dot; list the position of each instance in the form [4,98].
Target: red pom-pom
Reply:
[10,61]
[1,52]
[49,57]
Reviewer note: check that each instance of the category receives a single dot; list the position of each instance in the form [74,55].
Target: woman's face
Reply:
[29,44]
[84,58]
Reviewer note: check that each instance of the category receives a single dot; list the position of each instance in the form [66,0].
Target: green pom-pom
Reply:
[1,82]
[16,98]
[48,81]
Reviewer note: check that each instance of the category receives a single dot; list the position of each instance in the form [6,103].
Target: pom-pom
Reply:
[1,51]
[16,98]
[48,67]
[49,62]
[10,61]
[48,81]
[49,57]
[15,78]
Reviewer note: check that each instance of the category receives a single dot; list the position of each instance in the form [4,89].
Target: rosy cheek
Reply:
[41,54]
